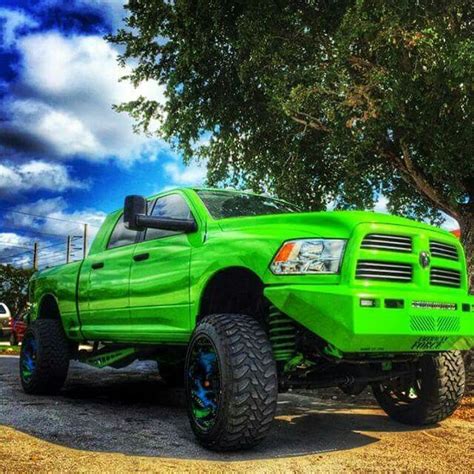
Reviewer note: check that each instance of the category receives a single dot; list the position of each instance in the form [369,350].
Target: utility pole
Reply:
[68,249]
[35,256]
[84,242]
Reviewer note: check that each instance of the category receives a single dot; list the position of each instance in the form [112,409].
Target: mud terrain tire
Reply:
[248,384]
[45,348]
[442,381]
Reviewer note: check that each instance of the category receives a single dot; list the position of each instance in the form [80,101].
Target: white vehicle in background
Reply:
[5,315]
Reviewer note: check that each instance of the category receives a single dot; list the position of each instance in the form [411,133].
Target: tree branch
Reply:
[415,177]
[309,121]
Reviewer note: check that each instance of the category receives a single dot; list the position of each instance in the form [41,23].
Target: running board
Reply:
[105,359]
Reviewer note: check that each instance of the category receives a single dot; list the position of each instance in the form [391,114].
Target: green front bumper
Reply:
[334,312]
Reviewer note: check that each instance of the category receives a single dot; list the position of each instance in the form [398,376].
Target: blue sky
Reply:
[64,153]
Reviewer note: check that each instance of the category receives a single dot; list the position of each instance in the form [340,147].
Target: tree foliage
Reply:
[320,102]
[14,288]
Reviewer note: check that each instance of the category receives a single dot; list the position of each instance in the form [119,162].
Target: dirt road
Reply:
[128,420]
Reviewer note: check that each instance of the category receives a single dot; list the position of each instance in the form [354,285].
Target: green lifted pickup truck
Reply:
[238,296]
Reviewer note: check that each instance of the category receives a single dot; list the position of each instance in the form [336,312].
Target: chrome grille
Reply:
[439,249]
[445,277]
[385,271]
[393,243]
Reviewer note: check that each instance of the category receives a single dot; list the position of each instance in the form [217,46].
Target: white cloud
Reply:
[11,21]
[15,249]
[18,250]
[65,92]
[10,238]
[36,175]
[66,132]
[47,222]
[55,218]
[193,174]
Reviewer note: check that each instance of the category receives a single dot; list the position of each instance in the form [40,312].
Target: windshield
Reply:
[222,204]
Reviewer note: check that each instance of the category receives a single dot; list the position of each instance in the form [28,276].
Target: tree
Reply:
[14,287]
[317,101]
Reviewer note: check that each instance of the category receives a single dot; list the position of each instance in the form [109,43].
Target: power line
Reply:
[37,232]
[47,217]
[52,254]
[51,260]
[40,249]
[13,246]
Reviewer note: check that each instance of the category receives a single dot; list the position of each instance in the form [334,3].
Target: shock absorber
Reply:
[282,335]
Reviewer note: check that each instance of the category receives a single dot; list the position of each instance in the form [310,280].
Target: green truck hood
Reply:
[337,224]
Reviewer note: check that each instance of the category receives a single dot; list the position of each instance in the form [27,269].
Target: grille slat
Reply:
[382,271]
[445,277]
[394,243]
[394,266]
[385,271]
[378,276]
[442,250]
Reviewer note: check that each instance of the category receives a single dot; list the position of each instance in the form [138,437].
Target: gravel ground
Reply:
[129,420]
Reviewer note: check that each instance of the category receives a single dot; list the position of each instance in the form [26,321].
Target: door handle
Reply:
[97,265]
[141,256]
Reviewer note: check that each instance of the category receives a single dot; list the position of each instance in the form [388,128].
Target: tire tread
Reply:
[253,386]
[53,355]
[444,378]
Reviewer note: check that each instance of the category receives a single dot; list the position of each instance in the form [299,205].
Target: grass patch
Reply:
[9,350]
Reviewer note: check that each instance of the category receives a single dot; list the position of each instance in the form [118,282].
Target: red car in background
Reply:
[18,326]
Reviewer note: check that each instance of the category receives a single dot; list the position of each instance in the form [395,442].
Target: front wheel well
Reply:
[235,290]
[48,308]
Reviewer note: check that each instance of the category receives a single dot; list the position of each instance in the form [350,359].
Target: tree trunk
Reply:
[467,236]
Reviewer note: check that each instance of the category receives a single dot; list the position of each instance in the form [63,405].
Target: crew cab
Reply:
[238,296]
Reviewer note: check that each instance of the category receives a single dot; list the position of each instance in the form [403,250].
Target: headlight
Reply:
[308,256]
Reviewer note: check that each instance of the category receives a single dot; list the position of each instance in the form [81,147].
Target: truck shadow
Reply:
[135,413]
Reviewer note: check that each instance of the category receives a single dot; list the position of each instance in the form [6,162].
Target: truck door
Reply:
[108,307]
[159,277]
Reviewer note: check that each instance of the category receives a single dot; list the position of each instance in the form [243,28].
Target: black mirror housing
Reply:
[134,206]
[135,218]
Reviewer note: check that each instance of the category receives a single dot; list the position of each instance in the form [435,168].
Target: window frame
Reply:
[150,208]
[137,234]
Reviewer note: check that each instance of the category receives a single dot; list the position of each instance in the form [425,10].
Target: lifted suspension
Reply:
[282,335]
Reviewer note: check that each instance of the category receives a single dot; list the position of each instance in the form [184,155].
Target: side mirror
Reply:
[134,206]
[135,218]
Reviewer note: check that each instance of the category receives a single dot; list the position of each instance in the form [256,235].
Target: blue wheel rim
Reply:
[204,383]
[28,358]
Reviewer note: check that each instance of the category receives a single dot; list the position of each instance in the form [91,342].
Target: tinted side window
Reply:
[121,236]
[2,309]
[172,206]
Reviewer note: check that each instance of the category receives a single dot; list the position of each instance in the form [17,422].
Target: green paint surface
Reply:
[158,300]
